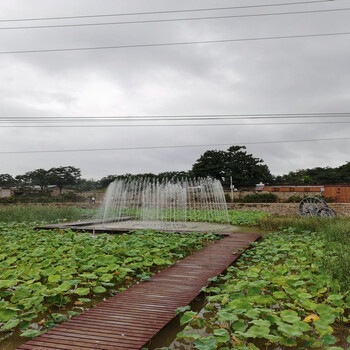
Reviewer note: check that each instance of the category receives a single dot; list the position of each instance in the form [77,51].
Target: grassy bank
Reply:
[40,213]
[335,232]
[312,223]
[37,213]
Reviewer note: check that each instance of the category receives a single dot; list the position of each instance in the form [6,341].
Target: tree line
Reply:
[60,177]
[244,169]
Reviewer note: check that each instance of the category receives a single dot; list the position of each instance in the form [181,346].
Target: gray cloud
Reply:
[273,76]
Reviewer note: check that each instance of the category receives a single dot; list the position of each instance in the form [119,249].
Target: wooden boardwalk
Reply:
[128,320]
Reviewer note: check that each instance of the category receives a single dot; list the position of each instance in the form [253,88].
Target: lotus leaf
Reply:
[82,291]
[6,315]
[288,342]
[221,335]
[106,277]
[208,343]
[30,333]
[227,316]
[328,339]
[187,317]
[289,316]
[257,331]
[253,314]
[99,289]
[7,283]
[239,326]
[289,330]
[54,278]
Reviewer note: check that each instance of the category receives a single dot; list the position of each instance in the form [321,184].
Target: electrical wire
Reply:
[168,147]
[223,116]
[175,43]
[162,12]
[175,19]
[167,125]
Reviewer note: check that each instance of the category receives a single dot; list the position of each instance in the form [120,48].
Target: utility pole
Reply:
[231,187]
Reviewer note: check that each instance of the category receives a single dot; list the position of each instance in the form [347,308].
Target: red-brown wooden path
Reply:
[128,320]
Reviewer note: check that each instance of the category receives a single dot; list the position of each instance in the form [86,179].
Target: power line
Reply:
[174,146]
[176,19]
[167,125]
[162,12]
[176,43]
[222,116]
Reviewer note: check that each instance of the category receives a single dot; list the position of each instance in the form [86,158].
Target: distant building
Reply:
[338,193]
[259,187]
[5,192]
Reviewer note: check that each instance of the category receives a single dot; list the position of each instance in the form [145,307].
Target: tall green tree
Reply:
[64,176]
[38,177]
[244,169]
[6,180]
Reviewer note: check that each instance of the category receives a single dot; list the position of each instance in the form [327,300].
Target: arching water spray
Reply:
[166,204]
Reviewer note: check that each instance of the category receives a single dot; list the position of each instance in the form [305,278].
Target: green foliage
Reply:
[244,169]
[40,213]
[337,256]
[7,181]
[294,199]
[277,222]
[42,198]
[235,217]
[246,218]
[38,177]
[42,271]
[279,292]
[63,176]
[317,175]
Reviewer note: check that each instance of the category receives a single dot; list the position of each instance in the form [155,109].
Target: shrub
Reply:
[293,199]
[40,198]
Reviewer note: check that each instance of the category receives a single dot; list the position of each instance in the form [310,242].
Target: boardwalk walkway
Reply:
[128,320]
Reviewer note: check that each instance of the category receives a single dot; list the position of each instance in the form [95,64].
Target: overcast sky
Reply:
[299,75]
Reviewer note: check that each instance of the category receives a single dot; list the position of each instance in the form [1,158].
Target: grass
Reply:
[277,222]
[247,218]
[16,214]
[337,254]
[334,231]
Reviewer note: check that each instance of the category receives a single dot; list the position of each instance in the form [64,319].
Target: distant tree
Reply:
[149,176]
[317,176]
[211,163]
[244,169]
[307,179]
[87,185]
[6,180]
[64,176]
[298,177]
[38,177]
[344,173]
[175,175]
[105,181]
[325,175]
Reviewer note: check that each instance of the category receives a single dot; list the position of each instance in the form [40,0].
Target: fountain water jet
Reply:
[164,205]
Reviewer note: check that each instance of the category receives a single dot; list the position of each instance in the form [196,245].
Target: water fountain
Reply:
[165,205]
